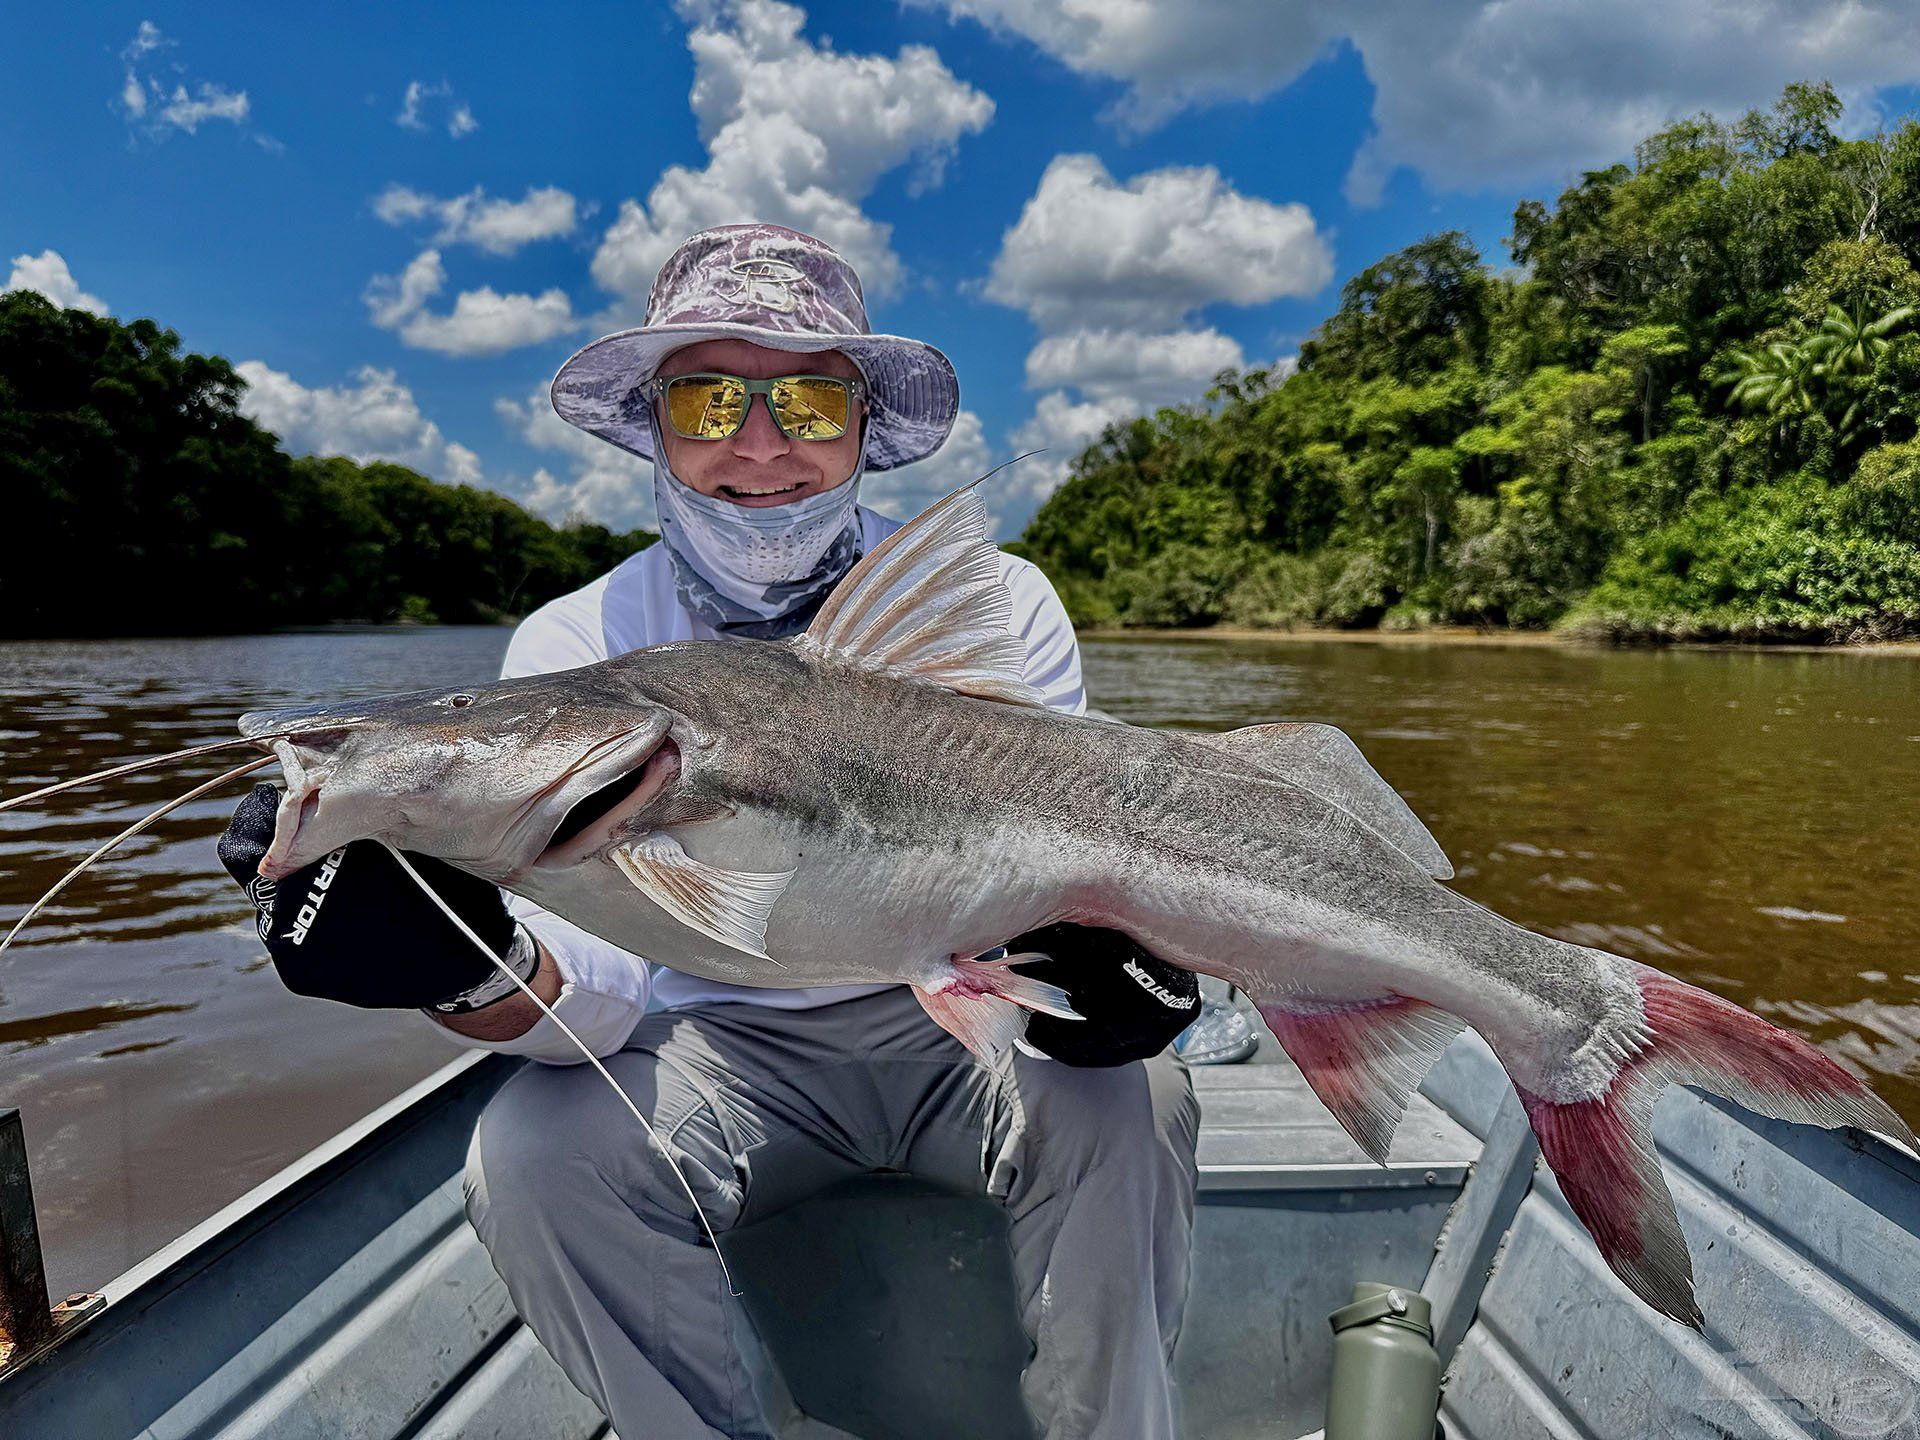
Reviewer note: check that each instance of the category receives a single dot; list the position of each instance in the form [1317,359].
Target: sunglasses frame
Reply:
[657,388]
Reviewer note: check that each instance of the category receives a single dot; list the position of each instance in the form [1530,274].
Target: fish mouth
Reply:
[297,807]
[590,823]
[560,824]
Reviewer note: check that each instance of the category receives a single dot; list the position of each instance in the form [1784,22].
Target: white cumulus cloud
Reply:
[145,41]
[1115,276]
[1170,53]
[1087,249]
[602,483]
[482,322]
[374,418]
[490,223]
[424,106]
[1139,367]
[796,134]
[47,273]
[1491,92]
[208,101]
[1475,93]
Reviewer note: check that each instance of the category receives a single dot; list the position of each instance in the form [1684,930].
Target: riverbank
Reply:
[1471,636]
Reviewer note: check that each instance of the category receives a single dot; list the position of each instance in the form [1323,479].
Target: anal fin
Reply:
[730,906]
[1363,1058]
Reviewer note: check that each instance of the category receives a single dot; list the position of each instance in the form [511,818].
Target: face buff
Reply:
[757,572]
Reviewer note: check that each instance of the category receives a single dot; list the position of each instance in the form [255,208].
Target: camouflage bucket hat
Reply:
[775,287]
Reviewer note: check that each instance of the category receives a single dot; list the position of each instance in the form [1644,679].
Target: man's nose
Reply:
[758,438]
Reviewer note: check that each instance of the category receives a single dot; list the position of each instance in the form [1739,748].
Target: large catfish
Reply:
[884,797]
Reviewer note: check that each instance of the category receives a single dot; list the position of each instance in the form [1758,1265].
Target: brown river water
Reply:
[1746,820]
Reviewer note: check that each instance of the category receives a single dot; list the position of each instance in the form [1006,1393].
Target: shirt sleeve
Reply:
[1053,651]
[604,989]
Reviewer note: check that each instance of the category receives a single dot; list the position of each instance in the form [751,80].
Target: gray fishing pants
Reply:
[603,1257]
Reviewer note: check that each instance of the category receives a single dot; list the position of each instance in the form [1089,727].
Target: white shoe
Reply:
[1219,1035]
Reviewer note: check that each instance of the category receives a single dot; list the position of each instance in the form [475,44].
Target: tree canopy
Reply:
[139,499]
[1690,410]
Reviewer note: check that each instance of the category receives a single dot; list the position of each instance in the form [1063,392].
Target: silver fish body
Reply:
[882,799]
[922,825]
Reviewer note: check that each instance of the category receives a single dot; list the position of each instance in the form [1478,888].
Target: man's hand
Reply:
[1134,1004]
[355,928]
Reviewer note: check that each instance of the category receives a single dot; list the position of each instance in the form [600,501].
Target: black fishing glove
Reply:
[1134,1004]
[354,927]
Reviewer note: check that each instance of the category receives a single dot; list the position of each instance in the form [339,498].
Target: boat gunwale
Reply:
[247,1215]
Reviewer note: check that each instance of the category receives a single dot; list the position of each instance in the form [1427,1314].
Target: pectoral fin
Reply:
[730,906]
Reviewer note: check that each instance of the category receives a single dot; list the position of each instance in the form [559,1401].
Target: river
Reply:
[1743,819]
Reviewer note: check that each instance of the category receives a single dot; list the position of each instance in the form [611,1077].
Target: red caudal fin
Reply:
[1363,1058]
[1601,1148]
[983,1004]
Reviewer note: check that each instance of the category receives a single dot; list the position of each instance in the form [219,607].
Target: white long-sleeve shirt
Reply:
[605,990]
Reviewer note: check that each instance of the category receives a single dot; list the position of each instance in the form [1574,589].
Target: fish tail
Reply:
[1601,1147]
[983,1004]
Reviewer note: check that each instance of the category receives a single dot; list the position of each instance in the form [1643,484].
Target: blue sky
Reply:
[400,221]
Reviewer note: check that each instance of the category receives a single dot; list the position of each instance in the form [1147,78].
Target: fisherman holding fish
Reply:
[762,397]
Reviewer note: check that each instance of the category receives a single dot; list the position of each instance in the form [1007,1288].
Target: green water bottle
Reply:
[1386,1376]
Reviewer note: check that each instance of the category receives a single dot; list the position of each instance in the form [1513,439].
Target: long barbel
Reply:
[127,834]
[580,1045]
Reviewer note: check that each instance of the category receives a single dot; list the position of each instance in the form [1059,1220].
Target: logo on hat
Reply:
[767,283]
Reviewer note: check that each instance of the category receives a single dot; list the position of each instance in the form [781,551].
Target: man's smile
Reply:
[763,493]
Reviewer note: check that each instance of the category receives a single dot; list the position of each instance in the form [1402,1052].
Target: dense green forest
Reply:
[137,499]
[1689,410]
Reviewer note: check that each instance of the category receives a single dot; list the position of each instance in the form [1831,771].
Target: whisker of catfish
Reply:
[127,834]
[578,1044]
[155,761]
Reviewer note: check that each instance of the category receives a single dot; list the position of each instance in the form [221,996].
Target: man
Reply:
[761,396]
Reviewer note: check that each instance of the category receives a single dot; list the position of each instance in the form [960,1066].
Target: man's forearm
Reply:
[512,1017]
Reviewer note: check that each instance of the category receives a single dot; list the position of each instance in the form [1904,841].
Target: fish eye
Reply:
[459,702]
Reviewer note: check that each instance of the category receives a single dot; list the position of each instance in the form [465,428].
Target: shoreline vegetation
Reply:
[1689,412]
[1686,414]
[1490,637]
[139,500]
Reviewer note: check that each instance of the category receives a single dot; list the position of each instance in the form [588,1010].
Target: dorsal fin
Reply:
[1324,760]
[928,601]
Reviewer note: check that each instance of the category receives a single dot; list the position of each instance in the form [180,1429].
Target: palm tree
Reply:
[1844,351]
[1850,344]
[1775,379]
[1818,374]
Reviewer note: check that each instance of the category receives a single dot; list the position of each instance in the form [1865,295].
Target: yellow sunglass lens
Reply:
[706,408]
[809,409]
[712,407]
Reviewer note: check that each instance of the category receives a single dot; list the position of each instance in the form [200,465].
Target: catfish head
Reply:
[491,778]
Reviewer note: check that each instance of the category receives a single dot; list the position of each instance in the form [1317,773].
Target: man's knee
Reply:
[1137,1115]
[554,1135]
[525,1151]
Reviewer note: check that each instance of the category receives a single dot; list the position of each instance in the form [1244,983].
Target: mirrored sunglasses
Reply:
[714,406]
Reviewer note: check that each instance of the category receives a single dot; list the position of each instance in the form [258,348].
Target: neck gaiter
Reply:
[750,571]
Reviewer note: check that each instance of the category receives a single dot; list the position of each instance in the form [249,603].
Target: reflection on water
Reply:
[1744,820]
